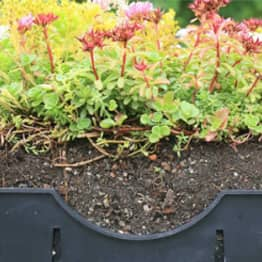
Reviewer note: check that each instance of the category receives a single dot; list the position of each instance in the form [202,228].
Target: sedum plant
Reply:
[124,75]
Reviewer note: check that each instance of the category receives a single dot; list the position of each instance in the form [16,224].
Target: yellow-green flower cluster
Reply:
[74,19]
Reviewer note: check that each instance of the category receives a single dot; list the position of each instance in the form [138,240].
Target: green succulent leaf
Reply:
[107,123]
[188,112]
[157,117]
[153,138]
[84,123]
[112,105]
[51,101]
[145,119]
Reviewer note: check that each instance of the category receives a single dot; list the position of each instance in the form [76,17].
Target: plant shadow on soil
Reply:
[138,195]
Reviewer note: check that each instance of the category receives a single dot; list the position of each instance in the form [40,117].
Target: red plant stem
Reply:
[92,58]
[124,60]
[191,53]
[23,41]
[146,80]
[218,52]
[158,44]
[134,51]
[195,91]
[236,83]
[194,96]
[50,54]
[259,77]
[214,79]
[235,64]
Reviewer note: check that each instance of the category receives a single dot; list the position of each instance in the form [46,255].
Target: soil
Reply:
[138,195]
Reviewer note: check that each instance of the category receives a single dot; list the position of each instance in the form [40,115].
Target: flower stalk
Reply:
[234,65]
[142,67]
[124,57]
[44,20]
[215,77]
[156,17]
[24,24]
[123,34]
[258,78]
[146,80]
[49,50]
[92,58]
[158,44]
[90,40]
[197,42]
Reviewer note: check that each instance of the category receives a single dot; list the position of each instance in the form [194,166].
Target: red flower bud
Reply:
[142,66]
[156,16]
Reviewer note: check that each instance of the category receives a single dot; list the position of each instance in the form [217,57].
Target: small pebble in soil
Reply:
[235,174]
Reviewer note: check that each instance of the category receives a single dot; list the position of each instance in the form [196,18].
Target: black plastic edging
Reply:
[36,225]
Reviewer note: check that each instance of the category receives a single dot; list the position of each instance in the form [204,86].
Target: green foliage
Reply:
[207,90]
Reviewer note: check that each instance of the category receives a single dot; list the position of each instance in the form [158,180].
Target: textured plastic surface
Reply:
[37,226]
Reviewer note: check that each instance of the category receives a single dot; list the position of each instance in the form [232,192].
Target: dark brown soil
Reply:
[138,195]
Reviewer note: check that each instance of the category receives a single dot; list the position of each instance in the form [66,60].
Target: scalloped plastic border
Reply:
[80,219]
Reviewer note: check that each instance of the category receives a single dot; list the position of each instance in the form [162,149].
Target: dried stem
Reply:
[81,163]
[123,129]
[30,138]
[128,129]
[100,149]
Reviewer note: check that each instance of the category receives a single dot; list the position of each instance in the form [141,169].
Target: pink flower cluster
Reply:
[121,33]
[104,4]
[253,24]
[92,39]
[124,32]
[218,23]
[201,8]
[108,4]
[244,32]
[251,43]
[26,22]
[45,19]
[139,10]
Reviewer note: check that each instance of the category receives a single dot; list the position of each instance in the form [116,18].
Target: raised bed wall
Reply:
[37,226]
